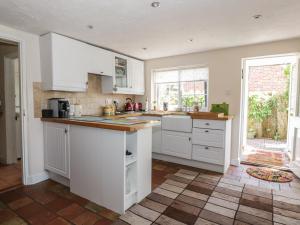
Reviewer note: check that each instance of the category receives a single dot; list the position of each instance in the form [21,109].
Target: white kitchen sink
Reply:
[177,123]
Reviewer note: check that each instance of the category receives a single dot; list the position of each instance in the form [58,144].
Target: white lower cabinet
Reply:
[177,144]
[57,148]
[208,154]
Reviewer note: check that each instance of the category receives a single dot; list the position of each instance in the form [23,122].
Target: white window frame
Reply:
[153,84]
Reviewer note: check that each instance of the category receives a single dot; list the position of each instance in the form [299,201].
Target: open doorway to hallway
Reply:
[267,106]
[10,117]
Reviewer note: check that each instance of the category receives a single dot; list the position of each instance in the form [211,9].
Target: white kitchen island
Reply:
[99,169]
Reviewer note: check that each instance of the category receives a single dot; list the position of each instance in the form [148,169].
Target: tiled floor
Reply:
[10,176]
[181,195]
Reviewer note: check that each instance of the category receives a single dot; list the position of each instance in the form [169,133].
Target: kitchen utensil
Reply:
[129,105]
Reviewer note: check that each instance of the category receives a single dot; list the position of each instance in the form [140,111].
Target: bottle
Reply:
[147,105]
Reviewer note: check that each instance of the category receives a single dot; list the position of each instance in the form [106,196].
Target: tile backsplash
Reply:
[92,100]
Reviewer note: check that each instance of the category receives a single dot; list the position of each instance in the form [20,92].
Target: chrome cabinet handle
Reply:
[66,130]
[206,147]
[207,124]
[190,139]
[206,131]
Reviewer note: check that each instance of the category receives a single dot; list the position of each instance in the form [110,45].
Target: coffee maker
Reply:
[60,107]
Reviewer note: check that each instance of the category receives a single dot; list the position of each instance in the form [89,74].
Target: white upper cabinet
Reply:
[128,77]
[136,76]
[99,61]
[63,63]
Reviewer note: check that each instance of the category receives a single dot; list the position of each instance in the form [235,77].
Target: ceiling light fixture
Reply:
[191,39]
[90,27]
[256,17]
[155,4]
[145,49]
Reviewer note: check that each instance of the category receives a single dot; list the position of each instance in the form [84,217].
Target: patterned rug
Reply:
[193,198]
[269,174]
[263,157]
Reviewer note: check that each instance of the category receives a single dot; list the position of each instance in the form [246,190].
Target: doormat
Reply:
[269,174]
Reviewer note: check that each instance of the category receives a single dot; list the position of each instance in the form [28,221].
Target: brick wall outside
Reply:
[267,79]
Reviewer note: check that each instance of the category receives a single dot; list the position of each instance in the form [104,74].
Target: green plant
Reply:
[259,109]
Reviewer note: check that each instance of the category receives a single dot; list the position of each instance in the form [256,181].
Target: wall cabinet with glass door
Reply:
[128,77]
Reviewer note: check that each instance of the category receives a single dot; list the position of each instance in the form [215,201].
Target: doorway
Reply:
[268,100]
[10,117]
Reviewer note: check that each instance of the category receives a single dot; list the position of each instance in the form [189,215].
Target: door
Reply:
[56,145]
[136,76]
[177,144]
[294,114]
[12,110]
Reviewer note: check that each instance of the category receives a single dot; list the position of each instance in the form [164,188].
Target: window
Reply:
[180,88]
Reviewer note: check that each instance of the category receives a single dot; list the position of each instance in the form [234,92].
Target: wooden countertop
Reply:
[129,128]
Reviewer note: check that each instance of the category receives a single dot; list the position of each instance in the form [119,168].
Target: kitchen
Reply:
[124,125]
[200,140]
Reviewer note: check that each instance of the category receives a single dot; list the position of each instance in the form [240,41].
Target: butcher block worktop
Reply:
[104,125]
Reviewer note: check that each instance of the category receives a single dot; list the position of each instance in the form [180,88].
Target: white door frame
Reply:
[23,93]
[244,92]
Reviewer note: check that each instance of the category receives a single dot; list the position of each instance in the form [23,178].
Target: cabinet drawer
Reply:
[211,124]
[208,137]
[177,144]
[177,123]
[208,154]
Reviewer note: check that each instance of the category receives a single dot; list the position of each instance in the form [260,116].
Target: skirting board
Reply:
[235,162]
[36,178]
[59,179]
[187,162]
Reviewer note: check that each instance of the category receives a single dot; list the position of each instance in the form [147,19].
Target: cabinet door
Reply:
[56,146]
[156,139]
[177,144]
[99,61]
[136,76]
[68,64]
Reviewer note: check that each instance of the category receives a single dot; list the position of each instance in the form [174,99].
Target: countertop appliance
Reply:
[129,105]
[60,107]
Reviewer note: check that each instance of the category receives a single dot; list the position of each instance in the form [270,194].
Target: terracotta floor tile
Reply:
[11,196]
[71,211]
[14,221]
[20,203]
[144,212]
[58,204]
[119,222]
[6,214]
[42,196]
[231,181]
[94,207]
[192,201]
[59,221]
[206,180]
[42,218]
[286,200]
[230,186]
[244,217]
[86,218]
[203,185]
[237,222]
[153,205]
[189,172]
[160,199]
[252,191]
[30,210]
[180,216]
[108,214]
[186,176]
[103,221]
[215,217]
[209,176]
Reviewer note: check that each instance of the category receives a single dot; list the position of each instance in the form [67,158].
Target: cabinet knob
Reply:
[206,131]
[206,147]
[190,138]
[207,124]
[101,72]
[66,130]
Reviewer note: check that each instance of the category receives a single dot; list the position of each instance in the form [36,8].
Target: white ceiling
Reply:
[128,26]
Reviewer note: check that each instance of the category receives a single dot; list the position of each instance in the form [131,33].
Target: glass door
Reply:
[121,72]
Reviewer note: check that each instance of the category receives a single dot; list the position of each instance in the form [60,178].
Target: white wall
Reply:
[32,73]
[224,73]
